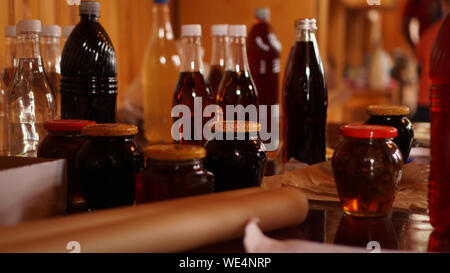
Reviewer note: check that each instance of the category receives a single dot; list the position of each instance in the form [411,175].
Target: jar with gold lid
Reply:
[173,171]
[107,165]
[236,156]
[395,116]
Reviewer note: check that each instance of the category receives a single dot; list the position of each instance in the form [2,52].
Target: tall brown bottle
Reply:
[237,86]
[191,86]
[305,98]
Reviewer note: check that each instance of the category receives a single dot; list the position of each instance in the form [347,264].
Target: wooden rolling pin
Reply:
[171,226]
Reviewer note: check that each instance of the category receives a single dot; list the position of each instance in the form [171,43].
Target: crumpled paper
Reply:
[256,242]
[317,182]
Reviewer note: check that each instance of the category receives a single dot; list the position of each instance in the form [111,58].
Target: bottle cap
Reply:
[110,129]
[10,31]
[27,26]
[306,23]
[67,125]
[219,30]
[51,31]
[368,131]
[238,126]
[67,30]
[90,8]
[174,152]
[262,14]
[191,30]
[237,31]
[388,110]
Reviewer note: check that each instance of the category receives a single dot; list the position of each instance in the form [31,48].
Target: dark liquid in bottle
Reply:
[89,71]
[237,88]
[192,85]
[305,105]
[8,76]
[214,78]
[264,66]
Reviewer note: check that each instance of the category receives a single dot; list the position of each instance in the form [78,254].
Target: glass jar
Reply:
[236,156]
[107,165]
[173,171]
[367,168]
[395,116]
[62,142]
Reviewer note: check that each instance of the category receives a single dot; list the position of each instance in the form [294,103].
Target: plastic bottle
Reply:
[439,194]
[160,73]
[31,102]
[305,98]
[217,68]
[191,84]
[51,56]
[237,86]
[89,70]
[11,61]
[3,121]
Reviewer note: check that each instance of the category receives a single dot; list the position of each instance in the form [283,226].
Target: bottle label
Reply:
[276,66]
[262,67]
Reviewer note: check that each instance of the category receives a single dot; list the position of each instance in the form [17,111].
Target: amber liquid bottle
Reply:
[89,70]
[191,87]
[237,86]
[305,98]
[11,61]
[217,68]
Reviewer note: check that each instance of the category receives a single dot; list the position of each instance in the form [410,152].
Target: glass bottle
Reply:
[89,70]
[237,86]
[3,121]
[305,98]
[264,50]
[160,73]
[439,194]
[51,56]
[217,68]
[11,61]
[31,102]
[191,85]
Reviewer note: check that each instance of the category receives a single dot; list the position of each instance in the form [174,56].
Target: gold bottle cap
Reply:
[236,127]
[174,152]
[110,129]
[388,110]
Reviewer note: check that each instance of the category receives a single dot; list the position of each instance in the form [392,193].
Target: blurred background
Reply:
[368,46]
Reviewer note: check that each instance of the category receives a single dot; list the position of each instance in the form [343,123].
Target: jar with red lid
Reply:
[173,171]
[367,168]
[62,142]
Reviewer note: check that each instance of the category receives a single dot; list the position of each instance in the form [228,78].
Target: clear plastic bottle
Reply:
[160,74]
[11,61]
[439,194]
[237,86]
[191,83]
[217,68]
[51,56]
[31,102]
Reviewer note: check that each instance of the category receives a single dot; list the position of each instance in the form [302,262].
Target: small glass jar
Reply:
[367,168]
[107,165]
[395,116]
[62,142]
[236,156]
[173,171]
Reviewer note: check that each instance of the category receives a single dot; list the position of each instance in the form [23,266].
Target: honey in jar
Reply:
[173,171]
[367,168]
[237,159]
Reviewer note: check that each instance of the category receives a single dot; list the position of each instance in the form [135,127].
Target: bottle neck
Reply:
[28,46]
[237,55]
[219,44]
[161,26]
[89,18]
[305,35]
[11,52]
[192,55]
[51,53]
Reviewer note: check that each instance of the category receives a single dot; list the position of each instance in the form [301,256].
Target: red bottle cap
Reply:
[67,125]
[368,131]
